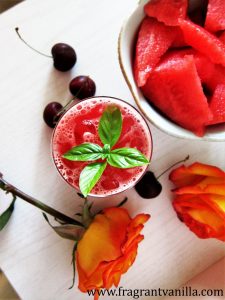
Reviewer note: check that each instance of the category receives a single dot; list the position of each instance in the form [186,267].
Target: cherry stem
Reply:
[183,160]
[69,102]
[20,37]
[6,186]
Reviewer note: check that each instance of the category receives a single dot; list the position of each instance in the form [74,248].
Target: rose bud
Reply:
[200,199]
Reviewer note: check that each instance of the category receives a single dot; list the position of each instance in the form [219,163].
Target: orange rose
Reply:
[200,199]
[108,248]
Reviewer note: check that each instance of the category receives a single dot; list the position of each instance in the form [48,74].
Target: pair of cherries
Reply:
[81,87]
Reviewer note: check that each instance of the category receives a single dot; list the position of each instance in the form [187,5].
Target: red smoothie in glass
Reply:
[80,124]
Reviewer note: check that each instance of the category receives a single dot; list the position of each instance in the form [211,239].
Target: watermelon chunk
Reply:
[215,19]
[204,66]
[154,39]
[167,11]
[203,41]
[179,41]
[175,88]
[222,37]
[217,77]
[217,105]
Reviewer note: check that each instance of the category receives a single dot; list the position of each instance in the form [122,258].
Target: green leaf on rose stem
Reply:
[74,264]
[67,231]
[5,216]
[110,125]
[90,175]
[84,152]
[126,158]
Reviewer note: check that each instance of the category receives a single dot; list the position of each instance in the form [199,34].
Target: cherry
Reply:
[52,113]
[148,187]
[82,87]
[63,55]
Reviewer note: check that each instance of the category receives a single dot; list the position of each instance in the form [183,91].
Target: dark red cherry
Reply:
[64,57]
[148,186]
[52,113]
[82,87]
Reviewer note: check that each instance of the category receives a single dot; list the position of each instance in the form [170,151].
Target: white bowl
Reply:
[126,51]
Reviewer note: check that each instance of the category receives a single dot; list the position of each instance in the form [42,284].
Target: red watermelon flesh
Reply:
[204,66]
[154,39]
[217,105]
[179,41]
[210,74]
[215,18]
[167,11]
[203,41]
[222,37]
[217,77]
[175,88]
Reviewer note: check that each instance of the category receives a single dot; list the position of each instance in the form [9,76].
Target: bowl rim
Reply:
[188,134]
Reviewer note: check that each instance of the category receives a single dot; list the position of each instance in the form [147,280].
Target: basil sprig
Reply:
[109,130]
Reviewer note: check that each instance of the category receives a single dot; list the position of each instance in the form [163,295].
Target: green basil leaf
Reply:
[126,158]
[5,216]
[84,152]
[89,176]
[110,125]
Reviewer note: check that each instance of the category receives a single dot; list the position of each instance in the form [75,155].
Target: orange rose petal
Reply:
[108,275]
[96,296]
[193,174]
[218,189]
[202,230]
[131,255]
[202,201]
[132,236]
[102,240]
[201,216]
[116,279]
[82,277]
[210,180]
[206,170]
[207,217]
[216,202]
[187,200]
[123,263]
[182,176]
[139,219]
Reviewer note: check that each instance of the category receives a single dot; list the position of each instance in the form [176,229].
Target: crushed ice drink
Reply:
[80,125]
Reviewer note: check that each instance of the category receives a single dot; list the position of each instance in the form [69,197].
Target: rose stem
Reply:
[49,210]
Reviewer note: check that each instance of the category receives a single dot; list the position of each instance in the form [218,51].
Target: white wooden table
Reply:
[34,258]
